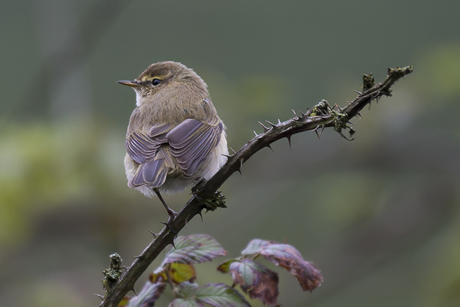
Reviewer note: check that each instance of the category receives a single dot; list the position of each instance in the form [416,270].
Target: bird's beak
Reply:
[129,83]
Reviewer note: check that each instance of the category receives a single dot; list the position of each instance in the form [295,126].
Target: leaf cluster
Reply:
[259,282]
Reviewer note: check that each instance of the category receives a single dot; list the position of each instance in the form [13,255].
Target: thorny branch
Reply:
[206,196]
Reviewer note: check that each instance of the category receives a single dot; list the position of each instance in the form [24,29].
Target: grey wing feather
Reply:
[146,150]
[191,142]
[142,147]
[153,174]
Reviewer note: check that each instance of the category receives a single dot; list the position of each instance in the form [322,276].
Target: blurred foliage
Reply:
[378,215]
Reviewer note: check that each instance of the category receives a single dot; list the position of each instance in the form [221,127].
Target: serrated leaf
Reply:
[148,295]
[181,272]
[224,267]
[286,256]
[187,289]
[189,302]
[254,246]
[256,280]
[220,295]
[194,249]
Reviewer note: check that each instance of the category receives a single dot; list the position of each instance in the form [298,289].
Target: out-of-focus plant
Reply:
[253,278]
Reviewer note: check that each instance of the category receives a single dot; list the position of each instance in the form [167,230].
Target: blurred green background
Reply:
[380,216]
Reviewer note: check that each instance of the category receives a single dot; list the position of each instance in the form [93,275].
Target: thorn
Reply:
[169,227]
[99,296]
[322,129]
[341,134]
[134,291]
[234,152]
[201,216]
[370,102]
[279,122]
[302,115]
[255,133]
[153,234]
[265,127]
[289,140]
[321,132]
[228,156]
[269,146]
[351,123]
[172,243]
[318,134]
[138,257]
[359,114]
[239,169]
[271,124]
[296,117]
[359,93]
[316,131]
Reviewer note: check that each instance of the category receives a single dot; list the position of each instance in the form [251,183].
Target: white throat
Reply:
[138,98]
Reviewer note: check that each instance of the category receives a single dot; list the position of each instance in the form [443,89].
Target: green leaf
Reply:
[224,267]
[194,249]
[187,289]
[181,272]
[124,302]
[220,295]
[256,280]
[188,292]
[189,302]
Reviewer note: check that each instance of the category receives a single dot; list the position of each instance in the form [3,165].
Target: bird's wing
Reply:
[145,149]
[191,142]
[153,174]
[142,147]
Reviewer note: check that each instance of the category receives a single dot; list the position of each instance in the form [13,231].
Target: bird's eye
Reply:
[155,82]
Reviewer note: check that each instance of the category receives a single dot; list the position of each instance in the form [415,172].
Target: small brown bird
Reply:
[175,137]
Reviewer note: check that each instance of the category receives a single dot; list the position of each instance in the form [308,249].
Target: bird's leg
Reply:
[172,214]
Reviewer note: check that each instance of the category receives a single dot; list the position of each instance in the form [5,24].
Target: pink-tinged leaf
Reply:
[148,295]
[254,246]
[187,289]
[220,295]
[224,267]
[256,280]
[194,249]
[286,256]
[187,293]
[189,302]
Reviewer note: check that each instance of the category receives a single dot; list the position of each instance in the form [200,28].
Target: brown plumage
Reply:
[175,136]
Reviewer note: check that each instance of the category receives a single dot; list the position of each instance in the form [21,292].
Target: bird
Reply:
[175,137]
